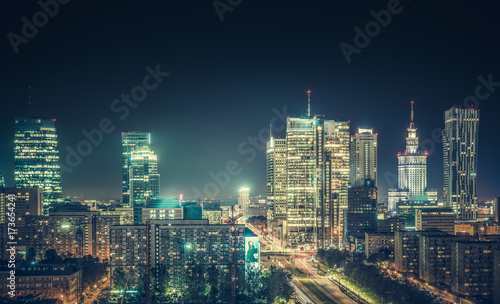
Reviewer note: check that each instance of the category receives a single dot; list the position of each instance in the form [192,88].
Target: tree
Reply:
[277,285]
[92,271]
[51,257]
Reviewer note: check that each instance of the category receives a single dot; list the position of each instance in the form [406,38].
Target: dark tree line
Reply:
[331,257]
[195,284]
[385,288]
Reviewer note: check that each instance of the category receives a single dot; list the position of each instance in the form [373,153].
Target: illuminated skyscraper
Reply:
[363,157]
[36,157]
[412,172]
[244,200]
[131,141]
[276,179]
[317,181]
[144,180]
[2,181]
[460,148]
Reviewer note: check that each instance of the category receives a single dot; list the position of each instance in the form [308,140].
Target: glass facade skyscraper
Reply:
[140,168]
[36,155]
[316,167]
[363,157]
[460,148]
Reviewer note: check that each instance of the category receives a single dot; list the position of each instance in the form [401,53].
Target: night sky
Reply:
[226,77]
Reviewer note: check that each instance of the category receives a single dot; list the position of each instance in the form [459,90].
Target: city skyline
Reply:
[364,91]
[249,152]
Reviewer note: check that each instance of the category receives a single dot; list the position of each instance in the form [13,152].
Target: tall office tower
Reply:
[361,213]
[131,141]
[244,200]
[460,148]
[317,181]
[2,181]
[337,142]
[363,157]
[144,180]
[36,157]
[412,172]
[496,209]
[276,178]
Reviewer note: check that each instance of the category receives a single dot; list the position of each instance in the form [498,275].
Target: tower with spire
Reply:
[412,173]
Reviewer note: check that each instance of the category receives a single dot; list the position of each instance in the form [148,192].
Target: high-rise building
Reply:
[144,179]
[337,142]
[276,178]
[2,181]
[363,157]
[131,141]
[412,173]
[244,200]
[36,155]
[317,181]
[178,245]
[496,209]
[361,213]
[460,148]
[74,234]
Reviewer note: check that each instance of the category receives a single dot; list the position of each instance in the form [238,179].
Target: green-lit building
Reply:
[36,156]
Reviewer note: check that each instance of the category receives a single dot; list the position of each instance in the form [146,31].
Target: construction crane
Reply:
[126,284]
[232,220]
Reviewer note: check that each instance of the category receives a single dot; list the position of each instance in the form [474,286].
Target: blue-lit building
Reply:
[36,155]
[140,168]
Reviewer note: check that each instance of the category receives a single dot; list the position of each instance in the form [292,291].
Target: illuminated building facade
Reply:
[61,283]
[244,201]
[363,157]
[2,181]
[412,173]
[317,181]
[276,179]
[361,213]
[27,202]
[36,155]
[144,179]
[131,141]
[460,148]
[74,234]
[178,245]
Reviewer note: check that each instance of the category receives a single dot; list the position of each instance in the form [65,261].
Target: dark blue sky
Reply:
[227,77]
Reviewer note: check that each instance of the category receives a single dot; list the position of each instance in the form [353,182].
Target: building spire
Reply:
[270,131]
[412,125]
[308,104]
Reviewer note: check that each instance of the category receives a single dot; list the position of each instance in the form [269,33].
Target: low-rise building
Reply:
[63,282]
[377,241]
[436,218]
[391,225]
[407,250]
